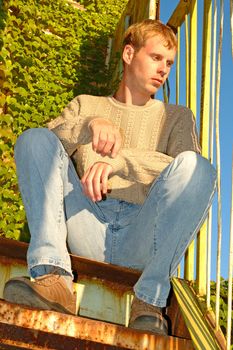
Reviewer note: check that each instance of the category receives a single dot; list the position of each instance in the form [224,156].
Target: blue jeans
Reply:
[151,237]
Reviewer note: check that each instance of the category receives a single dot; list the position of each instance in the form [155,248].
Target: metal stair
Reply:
[104,294]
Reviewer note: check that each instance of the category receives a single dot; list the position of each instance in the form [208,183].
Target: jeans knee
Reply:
[198,166]
[30,140]
[193,160]
[188,159]
[208,172]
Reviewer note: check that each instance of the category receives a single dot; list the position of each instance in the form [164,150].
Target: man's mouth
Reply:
[157,80]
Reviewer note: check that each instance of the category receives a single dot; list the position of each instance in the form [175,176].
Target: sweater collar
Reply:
[117,103]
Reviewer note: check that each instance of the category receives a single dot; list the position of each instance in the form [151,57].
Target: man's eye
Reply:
[155,58]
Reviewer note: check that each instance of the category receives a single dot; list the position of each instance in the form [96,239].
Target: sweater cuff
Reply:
[86,157]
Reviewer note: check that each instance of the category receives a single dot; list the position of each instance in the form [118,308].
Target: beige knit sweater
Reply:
[152,136]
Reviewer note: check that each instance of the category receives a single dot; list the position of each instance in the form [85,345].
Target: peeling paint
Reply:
[51,330]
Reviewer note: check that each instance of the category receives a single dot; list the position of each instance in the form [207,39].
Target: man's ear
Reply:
[128,53]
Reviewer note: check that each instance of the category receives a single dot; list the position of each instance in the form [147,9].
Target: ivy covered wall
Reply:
[50,51]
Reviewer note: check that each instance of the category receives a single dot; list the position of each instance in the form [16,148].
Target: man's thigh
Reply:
[87,229]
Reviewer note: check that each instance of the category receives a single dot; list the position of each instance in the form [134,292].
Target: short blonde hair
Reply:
[137,34]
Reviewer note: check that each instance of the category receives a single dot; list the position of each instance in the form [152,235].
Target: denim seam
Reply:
[155,240]
[60,211]
[113,246]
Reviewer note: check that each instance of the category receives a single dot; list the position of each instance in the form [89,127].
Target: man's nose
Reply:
[162,68]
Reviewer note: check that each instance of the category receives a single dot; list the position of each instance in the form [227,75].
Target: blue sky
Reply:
[226,124]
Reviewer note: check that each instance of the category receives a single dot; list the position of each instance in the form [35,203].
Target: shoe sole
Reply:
[20,293]
[148,326]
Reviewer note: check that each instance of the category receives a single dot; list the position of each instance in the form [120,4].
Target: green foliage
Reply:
[223,304]
[50,52]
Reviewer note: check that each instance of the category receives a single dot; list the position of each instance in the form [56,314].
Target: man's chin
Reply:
[154,90]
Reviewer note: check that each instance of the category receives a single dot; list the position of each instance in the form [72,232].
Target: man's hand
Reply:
[95,180]
[106,138]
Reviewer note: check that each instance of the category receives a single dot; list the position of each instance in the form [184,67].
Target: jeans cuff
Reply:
[48,264]
[149,300]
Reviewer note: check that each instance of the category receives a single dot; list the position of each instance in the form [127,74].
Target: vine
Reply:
[50,51]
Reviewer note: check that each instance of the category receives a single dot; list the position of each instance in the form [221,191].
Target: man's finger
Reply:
[97,168]
[104,177]
[87,184]
[109,144]
[117,146]
[103,139]
[95,139]
[83,179]
[88,190]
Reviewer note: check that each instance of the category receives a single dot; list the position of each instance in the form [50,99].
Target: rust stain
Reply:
[210,318]
[11,261]
[51,330]
[113,292]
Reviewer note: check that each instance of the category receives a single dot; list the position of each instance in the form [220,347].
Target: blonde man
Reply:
[137,195]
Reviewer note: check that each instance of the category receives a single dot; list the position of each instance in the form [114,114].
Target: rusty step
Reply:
[27,328]
[117,280]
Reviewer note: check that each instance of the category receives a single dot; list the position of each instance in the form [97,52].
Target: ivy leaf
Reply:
[41,73]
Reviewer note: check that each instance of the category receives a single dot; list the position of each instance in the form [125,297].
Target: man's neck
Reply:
[125,95]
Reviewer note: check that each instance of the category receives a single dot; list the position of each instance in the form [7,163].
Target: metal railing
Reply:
[185,21]
[197,265]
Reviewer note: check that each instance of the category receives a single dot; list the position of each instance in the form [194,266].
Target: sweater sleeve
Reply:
[133,164]
[183,136]
[85,157]
[71,128]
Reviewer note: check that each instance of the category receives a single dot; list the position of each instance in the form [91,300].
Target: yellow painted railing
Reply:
[191,101]
[185,21]
[218,165]
[197,265]
[204,137]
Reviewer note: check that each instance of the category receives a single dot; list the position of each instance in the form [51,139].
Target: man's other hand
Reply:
[95,181]
[106,137]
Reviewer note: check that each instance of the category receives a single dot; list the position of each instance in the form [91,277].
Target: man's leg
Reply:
[172,214]
[181,199]
[41,169]
[52,197]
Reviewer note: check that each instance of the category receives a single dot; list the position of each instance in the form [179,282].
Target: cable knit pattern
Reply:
[152,136]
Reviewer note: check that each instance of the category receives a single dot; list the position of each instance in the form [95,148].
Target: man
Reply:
[140,192]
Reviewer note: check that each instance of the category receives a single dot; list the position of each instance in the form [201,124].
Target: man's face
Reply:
[148,68]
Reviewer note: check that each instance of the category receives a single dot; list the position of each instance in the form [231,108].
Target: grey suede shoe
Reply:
[49,292]
[147,317]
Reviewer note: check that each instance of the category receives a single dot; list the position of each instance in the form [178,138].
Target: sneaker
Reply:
[147,317]
[48,292]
